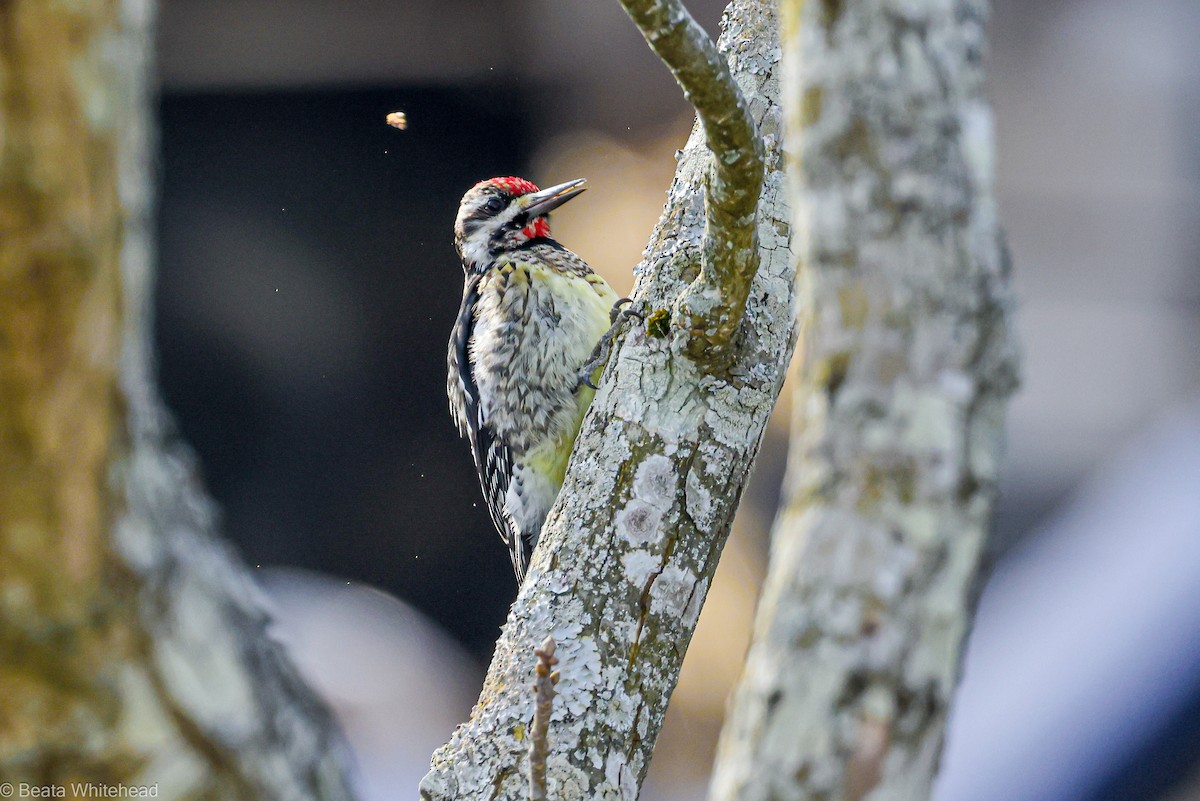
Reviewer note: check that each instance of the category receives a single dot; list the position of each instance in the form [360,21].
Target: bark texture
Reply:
[908,365]
[133,648]
[628,552]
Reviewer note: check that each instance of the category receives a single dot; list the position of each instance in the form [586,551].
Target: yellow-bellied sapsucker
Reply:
[532,312]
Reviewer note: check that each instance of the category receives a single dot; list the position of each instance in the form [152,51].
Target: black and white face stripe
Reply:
[504,214]
[489,221]
[491,203]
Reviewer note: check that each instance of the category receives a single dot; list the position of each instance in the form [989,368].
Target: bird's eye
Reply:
[494,205]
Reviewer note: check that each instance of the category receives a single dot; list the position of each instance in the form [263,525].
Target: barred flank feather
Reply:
[528,322]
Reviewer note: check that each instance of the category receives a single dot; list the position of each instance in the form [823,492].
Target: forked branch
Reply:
[711,308]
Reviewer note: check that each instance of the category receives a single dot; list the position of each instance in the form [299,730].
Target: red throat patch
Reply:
[538,228]
[511,184]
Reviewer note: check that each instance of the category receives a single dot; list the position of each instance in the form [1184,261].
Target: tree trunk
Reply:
[628,552]
[134,648]
[908,365]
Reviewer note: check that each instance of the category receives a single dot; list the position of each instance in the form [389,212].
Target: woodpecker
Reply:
[532,312]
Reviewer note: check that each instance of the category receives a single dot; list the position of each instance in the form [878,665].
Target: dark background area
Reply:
[307,289]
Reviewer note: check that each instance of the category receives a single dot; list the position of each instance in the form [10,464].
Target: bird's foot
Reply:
[622,310]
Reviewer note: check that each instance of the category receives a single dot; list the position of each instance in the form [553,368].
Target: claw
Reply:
[619,313]
[589,367]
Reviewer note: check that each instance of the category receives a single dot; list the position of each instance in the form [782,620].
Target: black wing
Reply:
[493,459]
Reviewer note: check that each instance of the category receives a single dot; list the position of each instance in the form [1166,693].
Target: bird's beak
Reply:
[547,200]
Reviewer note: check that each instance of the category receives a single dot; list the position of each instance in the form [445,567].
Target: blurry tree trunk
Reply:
[132,645]
[908,364]
[628,552]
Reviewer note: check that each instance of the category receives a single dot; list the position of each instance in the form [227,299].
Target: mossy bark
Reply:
[132,646]
[64,608]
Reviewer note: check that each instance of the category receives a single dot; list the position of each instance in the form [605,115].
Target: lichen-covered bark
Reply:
[907,367]
[132,646]
[629,550]
[709,311]
[59,416]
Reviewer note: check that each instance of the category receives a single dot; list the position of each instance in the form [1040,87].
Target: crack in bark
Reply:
[644,600]
[498,781]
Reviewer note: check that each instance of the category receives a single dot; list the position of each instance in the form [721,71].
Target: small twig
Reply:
[712,306]
[545,677]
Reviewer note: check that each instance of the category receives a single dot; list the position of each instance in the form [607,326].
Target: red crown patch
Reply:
[510,184]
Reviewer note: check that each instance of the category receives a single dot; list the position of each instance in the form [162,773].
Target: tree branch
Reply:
[628,551]
[711,308]
[899,413]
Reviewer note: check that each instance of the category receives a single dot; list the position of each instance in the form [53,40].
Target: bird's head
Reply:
[503,213]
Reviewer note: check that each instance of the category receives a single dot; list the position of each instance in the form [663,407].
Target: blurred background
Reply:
[308,285]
